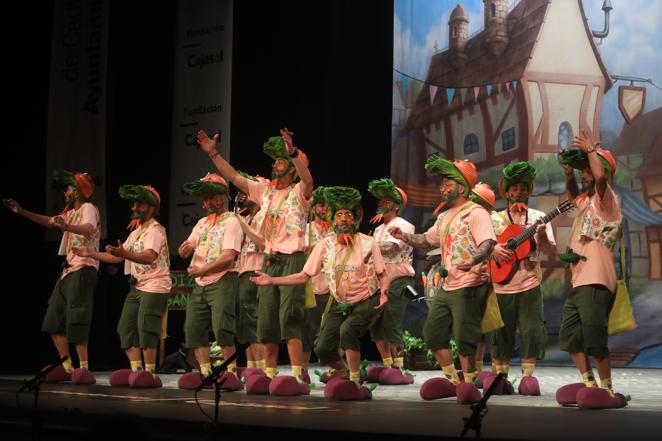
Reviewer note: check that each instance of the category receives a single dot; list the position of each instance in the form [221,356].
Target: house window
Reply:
[508,139]
[470,144]
[565,136]
[454,31]
[492,10]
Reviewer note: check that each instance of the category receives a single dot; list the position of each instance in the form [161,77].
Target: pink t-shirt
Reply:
[154,278]
[86,214]
[251,258]
[470,226]
[210,240]
[400,263]
[313,236]
[528,274]
[359,279]
[598,268]
[284,224]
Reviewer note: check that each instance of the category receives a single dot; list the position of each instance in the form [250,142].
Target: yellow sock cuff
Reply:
[261,364]
[136,365]
[205,368]
[67,365]
[494,368]
[527,369]
[250,364]
[149,367]
[479,366]
[387,362]
[399,362]
[305,366]
[588,378]
[502,369]
[605,383]
[451,373]
[84,365]
[271,372]
[469,377]
[233,368]
[355,377]
[296,371]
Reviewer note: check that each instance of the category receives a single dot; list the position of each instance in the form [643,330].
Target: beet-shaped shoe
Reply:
[467,393]
[436,388]
[57,375]
[120,377]
[567,395]
[287,386]
[346,390]
[82,377]
[599,398]
[394,376]
[529,385]
[144,380]
[257,385]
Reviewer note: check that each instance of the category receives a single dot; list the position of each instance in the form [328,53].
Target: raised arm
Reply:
[302,169]
[44,221]
[415,240]
[208,145]
[587,144]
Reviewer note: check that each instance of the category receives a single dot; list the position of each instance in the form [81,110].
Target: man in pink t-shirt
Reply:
[69,311]
[586,310]
[215,243]
[466,237]
[398,257]
[354,270]
[284,208]
[520,296]
[317,229]
[147,261]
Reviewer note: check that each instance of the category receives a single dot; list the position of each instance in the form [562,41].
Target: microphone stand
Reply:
[212,378]
[479,410]
[34,384]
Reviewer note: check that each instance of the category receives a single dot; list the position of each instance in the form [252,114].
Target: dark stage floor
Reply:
[76,412]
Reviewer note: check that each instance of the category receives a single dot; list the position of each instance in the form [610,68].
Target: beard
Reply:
[139,215]
[452,196]
[275,174]
[587,187]
[343,228]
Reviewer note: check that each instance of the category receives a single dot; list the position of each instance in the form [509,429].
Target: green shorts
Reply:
[585,320]
[523,311]
[246,310]
[389,326]
[69,311]
[280,309]
[344,331]
[312,321]
[140,322]
[212,306]
[455,313]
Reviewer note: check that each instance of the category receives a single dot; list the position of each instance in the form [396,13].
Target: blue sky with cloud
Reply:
[633,47]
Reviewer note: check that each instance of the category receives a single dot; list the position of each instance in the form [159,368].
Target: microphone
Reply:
[41,376]
[218,370]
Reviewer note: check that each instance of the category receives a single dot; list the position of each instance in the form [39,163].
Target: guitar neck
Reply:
[530,231]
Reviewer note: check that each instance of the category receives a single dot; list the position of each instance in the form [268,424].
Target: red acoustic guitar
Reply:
[519,239]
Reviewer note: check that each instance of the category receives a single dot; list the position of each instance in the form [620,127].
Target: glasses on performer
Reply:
[344,215]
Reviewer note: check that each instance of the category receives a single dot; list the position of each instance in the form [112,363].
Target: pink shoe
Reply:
[394,376]
[190,381]
[567,395]
[436,388]
[326,376]
[598,398]
[503,388]
[144,380]
[120,378]
[257,385]
[57,375]
[287,386]
[82,377]
[346,390]
[229,382]
[529,385]
[247,372]
[373,373]
[467,393]
[482,375]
